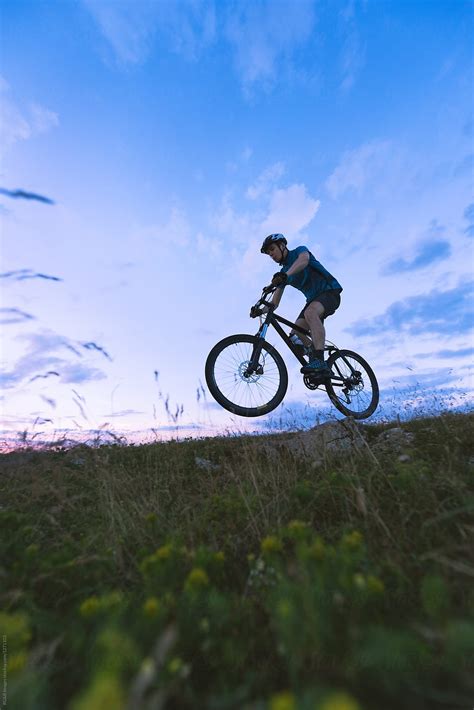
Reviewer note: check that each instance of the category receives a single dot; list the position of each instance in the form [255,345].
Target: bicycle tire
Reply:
[226,382]
[355,386]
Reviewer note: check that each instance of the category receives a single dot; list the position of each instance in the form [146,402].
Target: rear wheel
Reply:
[249,394]
[353,387]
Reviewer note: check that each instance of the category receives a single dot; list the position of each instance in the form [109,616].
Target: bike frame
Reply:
[274,320]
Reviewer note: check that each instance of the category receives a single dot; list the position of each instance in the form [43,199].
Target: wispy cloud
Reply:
[352,49]
[438,313]
[469,217]
[279,209]
[430,250]
[24,195]
[22,123]
[79,373]
[358,168]
[447,354]
[291,210]
[131,28]
[266,37]
[465,166]
[265,181]
[124,413]
[41,361]
[209,245]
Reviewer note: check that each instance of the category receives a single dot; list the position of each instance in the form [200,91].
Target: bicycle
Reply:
[247,376]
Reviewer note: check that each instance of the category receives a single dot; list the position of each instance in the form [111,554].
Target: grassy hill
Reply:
[242,573]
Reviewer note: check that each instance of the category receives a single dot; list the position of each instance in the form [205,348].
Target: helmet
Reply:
[272,239]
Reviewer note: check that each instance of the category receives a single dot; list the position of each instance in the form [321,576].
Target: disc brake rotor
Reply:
[254,376]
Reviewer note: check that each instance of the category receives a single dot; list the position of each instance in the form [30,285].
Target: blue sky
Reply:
[148,148]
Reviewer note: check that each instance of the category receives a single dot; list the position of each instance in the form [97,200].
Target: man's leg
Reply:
[313,315]
[302,323]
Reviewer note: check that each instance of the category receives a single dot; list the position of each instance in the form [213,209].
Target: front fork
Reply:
[254,367]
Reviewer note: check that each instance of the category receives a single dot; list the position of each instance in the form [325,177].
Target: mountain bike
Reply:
[247,376]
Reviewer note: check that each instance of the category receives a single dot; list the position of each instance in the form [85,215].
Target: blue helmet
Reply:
[272,239]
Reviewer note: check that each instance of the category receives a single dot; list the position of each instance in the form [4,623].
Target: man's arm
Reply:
[301,263]
[276,298]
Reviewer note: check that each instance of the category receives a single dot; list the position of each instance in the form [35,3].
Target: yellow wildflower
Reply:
[297,526]
[284,608]
[90,607]
[17,661]
[197,578]
[283,701]
[270,544]
[111,600]
[204,625]
[352,540]
[151,607]
[16,628]
[318,549]
[339,701]
[219,557]
[359,581]
[375,585]
[163,552]
[104,692]
[175,665]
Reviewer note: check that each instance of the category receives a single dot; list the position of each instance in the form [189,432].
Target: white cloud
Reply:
[352,51]
[42,119]
[242,159]
[17,124]
[175,231]
[131,27]
[265,36]
[208,245]
[291,210]
[265,180]
[358,167]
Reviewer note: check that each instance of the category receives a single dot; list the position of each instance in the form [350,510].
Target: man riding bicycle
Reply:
[300,269]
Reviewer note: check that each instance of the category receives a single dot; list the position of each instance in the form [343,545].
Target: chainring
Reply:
[312,382]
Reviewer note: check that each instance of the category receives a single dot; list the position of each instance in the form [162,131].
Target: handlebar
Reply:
[256,311]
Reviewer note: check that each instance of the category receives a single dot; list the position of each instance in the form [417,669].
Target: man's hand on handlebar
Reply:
[279,279]
[256,311]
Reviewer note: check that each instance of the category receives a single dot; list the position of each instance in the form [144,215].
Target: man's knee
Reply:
[301,322]
[315,310]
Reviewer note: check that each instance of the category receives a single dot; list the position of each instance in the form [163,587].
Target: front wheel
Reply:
[249,394]
[353,387]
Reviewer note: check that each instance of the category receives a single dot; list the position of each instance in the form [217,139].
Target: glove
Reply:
[279,279]
[255,312]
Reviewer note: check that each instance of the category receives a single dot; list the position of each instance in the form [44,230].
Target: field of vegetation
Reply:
[234,573]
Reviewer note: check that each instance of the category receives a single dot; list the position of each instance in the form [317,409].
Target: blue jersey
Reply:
[313,279]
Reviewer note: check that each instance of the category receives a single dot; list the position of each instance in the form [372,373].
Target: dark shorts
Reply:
[329,299]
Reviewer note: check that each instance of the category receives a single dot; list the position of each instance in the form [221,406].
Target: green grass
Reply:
[133,577]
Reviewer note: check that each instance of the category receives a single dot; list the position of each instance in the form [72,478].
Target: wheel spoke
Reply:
[249,395]
[353,389]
